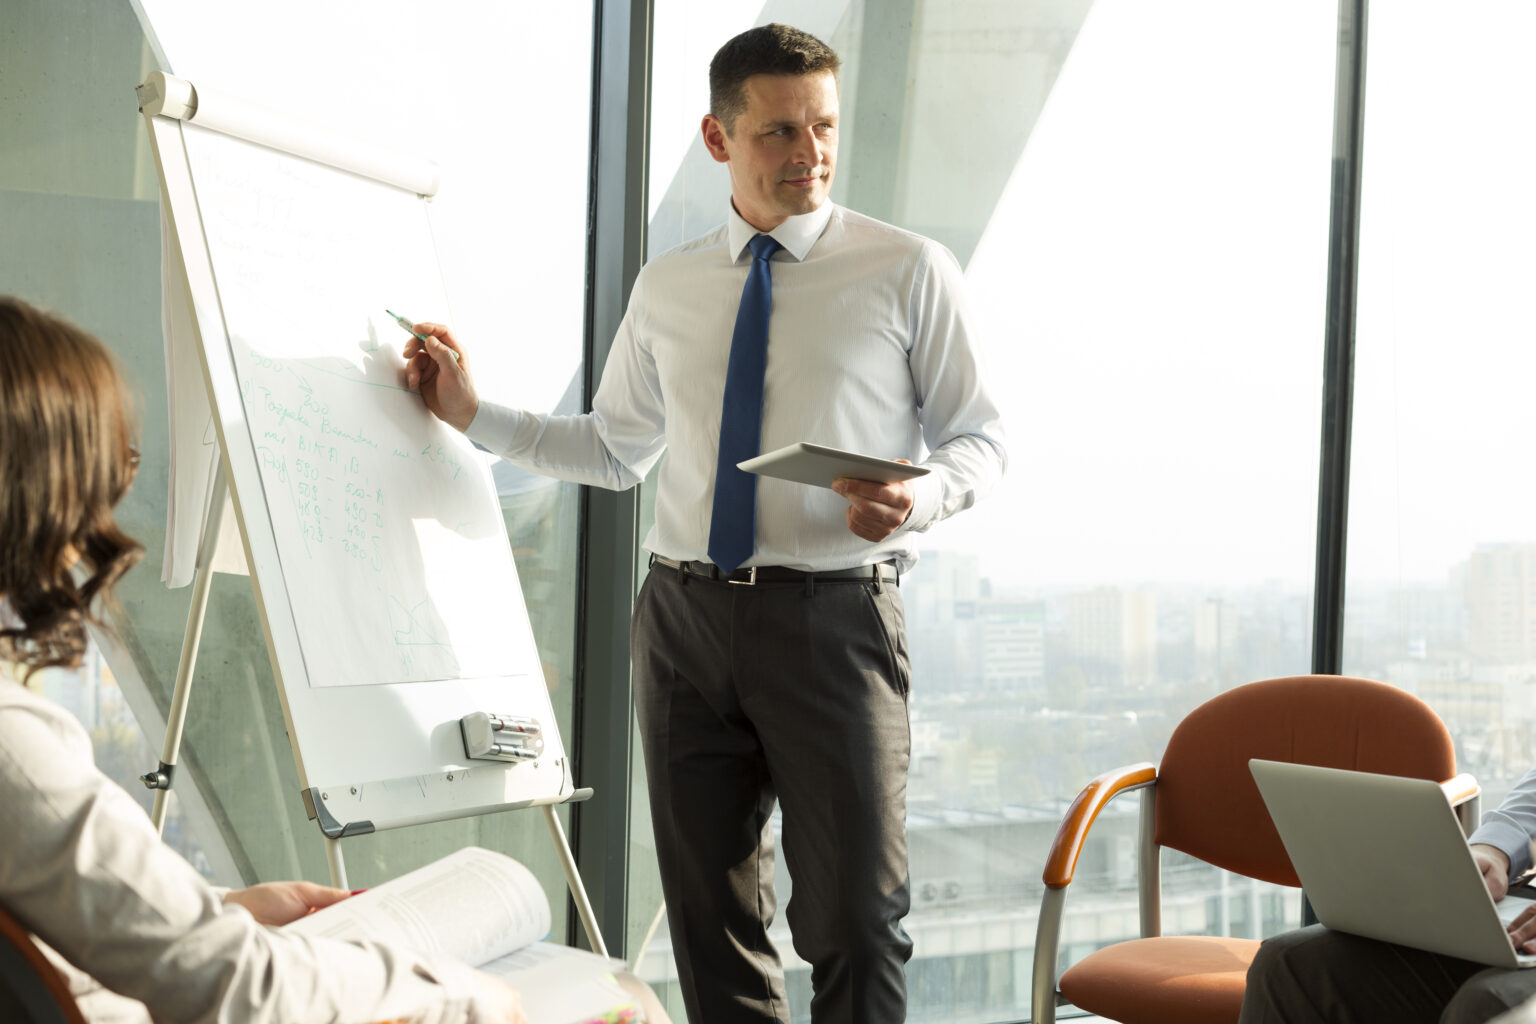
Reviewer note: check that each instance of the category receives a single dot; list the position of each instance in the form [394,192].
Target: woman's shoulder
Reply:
[35,730]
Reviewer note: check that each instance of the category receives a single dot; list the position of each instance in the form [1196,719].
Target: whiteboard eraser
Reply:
[490,737]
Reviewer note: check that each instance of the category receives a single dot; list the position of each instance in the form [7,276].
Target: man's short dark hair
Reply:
[765,50]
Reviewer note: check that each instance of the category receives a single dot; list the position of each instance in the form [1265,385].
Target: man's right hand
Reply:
[443,380]
[1494,864]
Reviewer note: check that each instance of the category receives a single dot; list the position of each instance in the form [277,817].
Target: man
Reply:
[1316,974]
[768,642]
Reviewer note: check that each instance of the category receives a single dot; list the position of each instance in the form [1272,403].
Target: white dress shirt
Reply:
[870,349]
[82,868]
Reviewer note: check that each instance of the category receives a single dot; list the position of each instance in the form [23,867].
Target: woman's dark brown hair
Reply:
[66,458]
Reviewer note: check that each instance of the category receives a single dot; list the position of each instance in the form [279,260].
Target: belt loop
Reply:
[810,584]
[875,571]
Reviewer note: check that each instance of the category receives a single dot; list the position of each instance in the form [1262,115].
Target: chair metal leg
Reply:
[1149,873]
[1047,944]
[1469,813]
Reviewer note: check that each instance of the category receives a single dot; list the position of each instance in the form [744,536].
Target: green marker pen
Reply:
[410,325]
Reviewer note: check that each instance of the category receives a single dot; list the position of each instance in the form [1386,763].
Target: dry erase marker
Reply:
[410,325]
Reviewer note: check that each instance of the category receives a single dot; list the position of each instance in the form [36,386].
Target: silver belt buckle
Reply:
[750,581]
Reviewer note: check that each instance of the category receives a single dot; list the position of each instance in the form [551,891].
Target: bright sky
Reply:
[1153,283]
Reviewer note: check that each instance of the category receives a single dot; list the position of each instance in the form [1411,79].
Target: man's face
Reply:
[782,149]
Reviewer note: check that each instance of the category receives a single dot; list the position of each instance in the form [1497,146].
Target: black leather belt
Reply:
[881,572]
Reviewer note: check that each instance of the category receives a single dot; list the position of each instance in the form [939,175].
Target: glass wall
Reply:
[79,198]
[1442,541]
[1139,196]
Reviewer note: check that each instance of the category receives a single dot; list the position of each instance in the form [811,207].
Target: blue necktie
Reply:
[734,519]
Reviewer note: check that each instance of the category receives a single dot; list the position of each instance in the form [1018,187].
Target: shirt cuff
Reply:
[494,427]
[1509,838]
[927,497]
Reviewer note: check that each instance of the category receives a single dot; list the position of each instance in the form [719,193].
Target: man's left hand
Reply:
[875,511]
[280,903]
[1494,864]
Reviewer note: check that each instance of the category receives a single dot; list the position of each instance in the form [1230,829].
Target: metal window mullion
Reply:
[1339,351]
[609,521]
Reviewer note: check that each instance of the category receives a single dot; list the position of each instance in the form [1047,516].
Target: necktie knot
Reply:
[763,246]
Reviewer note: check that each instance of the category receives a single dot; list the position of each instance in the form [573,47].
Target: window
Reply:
[1441,594]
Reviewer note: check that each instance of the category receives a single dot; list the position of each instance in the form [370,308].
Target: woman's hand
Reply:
[502,999]
[280,903]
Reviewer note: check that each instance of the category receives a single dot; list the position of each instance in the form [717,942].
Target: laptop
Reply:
[1384,857]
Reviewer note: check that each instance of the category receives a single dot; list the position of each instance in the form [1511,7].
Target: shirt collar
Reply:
[796,235]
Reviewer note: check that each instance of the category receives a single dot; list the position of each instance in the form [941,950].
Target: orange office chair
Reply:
[32,991]
[1202,800]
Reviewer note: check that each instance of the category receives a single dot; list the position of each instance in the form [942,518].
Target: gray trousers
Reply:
[1315,974]
[747,694]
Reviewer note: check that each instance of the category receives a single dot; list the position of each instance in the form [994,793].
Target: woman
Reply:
[137,930]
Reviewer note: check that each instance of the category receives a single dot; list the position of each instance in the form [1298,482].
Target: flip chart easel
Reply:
[372,533]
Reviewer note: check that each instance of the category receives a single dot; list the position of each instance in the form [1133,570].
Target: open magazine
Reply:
[487,910]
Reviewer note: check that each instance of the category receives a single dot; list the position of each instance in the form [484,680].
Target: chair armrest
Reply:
[1061,862]
[1059,866]
[1466,797]
[1461,789]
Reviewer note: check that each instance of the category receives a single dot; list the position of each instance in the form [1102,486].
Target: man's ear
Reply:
[714,138]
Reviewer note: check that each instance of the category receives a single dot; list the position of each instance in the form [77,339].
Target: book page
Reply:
[473,905]
[561,985]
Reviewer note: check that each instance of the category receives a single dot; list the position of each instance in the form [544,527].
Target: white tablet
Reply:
[818,465]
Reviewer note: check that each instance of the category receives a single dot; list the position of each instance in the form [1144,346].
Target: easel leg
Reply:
[160,779]
[338,866]
[573,879]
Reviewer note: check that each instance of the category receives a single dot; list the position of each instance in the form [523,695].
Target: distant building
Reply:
[1012,644]
[1500,591]
[1215,628]
[1112,634]
[944,635]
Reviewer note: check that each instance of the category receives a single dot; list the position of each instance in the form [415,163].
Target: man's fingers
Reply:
[875,510]
[445,352]
[865,530]
[1522,930]
[850,488]
[420,370]
[875,513]
[873,522]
